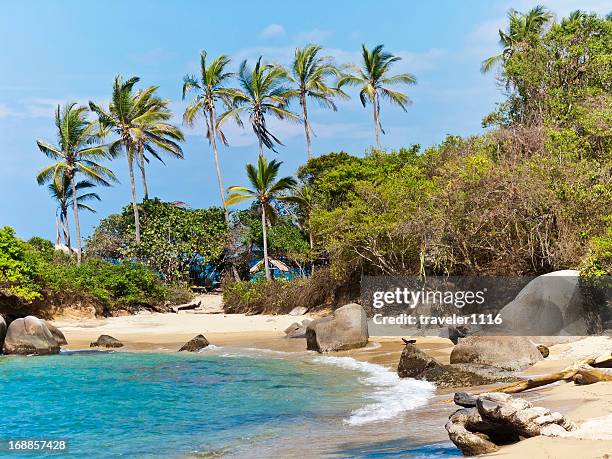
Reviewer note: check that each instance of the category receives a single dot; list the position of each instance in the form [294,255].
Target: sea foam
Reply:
[392,395]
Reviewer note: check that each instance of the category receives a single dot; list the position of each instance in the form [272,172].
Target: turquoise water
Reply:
[187,405]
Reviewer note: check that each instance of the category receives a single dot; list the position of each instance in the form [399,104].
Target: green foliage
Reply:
[171,236]
[19,267]
[598,262]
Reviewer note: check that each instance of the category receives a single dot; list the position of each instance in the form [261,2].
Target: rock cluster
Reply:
[30,336]
[415,363]
[493,419]
[346,328]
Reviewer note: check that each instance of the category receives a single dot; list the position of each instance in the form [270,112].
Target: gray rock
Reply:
[2,332]
[30,336]
[416,364]
[57,334]
[106,341]
[499,419]
[346,328]
[460,331]
[506,352]
[464,399]
[295,330]
[196,344]
[298,311]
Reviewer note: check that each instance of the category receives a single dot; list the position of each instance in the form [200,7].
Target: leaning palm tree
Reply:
[522,29]
[309,73]
[263,92]
[129,115]
[374,80]
[265,189]
[62,193]
[76,153]
[154,136]
[209,90]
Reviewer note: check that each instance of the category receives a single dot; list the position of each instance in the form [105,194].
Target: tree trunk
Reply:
[57,231]
[376,121]
[213,142]
[134,202]
[260,147]
[65,227]
[142,171]
[311,240]
[306,126]
[265,241]
[77,225]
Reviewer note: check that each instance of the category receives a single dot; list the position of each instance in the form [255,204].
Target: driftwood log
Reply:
[583,371]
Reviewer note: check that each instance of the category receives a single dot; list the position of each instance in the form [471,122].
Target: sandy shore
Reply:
[589,406]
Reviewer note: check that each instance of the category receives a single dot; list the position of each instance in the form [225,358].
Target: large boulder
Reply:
[346,328]
[2,332]
[106,341]
[507,352]
[297,330]
[197,343]
[498,419]
[416,364]
[57,334]
[551,304]
[30,335]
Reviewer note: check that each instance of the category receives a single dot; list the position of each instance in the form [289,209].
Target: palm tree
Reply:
[153,135]
[136,118]
[262,92]
[76,153]
[265,190]
[62,193]
[374,80]
[309,73]
[522,28]
[209,89]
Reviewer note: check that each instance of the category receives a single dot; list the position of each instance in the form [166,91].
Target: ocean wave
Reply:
[392,395]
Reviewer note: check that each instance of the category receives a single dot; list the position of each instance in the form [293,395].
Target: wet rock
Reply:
[499,419]
[414,362]
[506,352]
[346,328]
[196,344]
[3,328]
[30,335]
[464,399]
[106,341]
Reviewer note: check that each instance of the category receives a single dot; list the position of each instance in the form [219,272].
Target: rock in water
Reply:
[500,419]
[2,332]
[346,328]
[196,344]
[506,352]
[30,336]
[57,334]
[298,311]
[413,362]
[106,341]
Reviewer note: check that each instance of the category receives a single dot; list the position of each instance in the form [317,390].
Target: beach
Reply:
[592,404]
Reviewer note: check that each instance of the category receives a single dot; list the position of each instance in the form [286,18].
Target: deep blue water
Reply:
[183,405]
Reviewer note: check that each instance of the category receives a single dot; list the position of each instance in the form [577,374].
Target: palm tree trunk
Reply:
[57,231]
[77,225]
[260,147]
[130,156]
[142,171]
[213,142]
[376,121]
[265,242]
[311,240]
[66,229]
[306,126]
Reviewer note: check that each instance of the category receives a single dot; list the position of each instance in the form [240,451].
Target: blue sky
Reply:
[57,51]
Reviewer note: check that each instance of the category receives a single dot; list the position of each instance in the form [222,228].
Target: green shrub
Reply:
[19,267]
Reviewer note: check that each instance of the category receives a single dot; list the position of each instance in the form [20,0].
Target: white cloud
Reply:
[273,30]
[312,36]
[5,111]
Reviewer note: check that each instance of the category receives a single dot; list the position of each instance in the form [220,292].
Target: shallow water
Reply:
[216,403]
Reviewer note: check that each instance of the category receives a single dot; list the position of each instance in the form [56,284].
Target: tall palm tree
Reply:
[262,92]
[130,115]
[76,153]
[522,28]
[374,80]
[209,89]
[154,136]
[265,189]
[309,73]
[62,193]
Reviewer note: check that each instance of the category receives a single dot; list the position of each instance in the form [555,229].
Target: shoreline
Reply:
[157,332]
